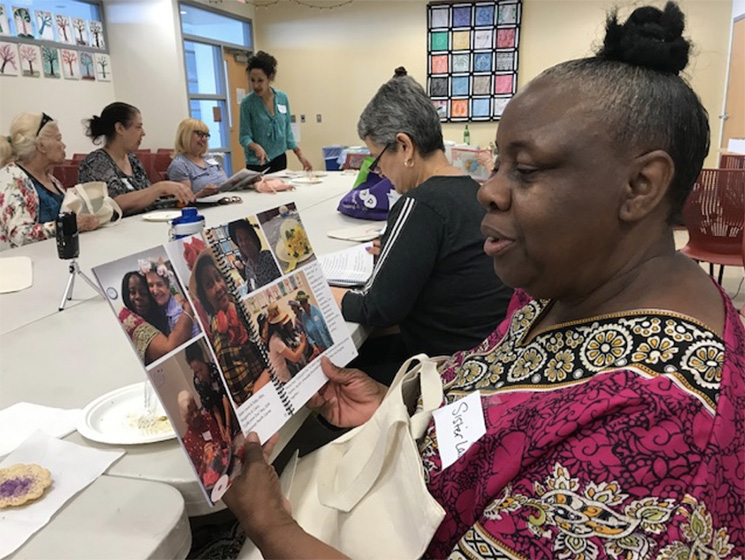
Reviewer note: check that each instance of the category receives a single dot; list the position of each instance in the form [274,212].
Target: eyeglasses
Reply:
[374,165]
[44,120]
[202,134]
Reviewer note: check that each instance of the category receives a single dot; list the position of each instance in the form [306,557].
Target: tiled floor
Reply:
[733,276]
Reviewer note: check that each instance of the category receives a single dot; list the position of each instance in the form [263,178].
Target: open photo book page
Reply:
[230,326]
[241,179]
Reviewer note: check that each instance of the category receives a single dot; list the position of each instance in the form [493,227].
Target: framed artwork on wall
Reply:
[4,27]
[472,57]
[80,31]
[22,20]
[103,67]
[44,25]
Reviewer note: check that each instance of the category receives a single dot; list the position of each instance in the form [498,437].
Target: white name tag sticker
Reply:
[458,427]
[211,161]
[282,108]
[207,436]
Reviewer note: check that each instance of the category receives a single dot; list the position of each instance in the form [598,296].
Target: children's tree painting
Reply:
[103,67]
[30,60]
[9,65]
[87,72]
[4,27]
[70,64]
[64,29]
[24,27]
[81,32]
[96,29]
[51,62]
[44,25]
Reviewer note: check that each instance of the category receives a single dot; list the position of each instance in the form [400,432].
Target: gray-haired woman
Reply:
[432,277]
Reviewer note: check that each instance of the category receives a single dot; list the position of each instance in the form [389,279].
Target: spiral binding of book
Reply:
[245,316]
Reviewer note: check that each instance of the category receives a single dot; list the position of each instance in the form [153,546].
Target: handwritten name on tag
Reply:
[459,426]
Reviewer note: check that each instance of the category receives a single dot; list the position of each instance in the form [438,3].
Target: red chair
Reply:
[77,158]
[160,163]
[732,161]
[164,151]
[146,159]
[67,174]
[714,213]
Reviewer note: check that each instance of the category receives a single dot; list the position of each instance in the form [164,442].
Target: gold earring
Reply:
[409,163]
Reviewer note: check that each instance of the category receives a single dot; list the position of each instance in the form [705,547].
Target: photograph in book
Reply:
[292,330]
[244,246]
[149,302]
[248,361]
[194,396]
[287,237]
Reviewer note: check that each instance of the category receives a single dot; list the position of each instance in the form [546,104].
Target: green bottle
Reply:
[466,136]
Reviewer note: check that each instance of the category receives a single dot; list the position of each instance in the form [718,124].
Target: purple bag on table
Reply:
[368,199]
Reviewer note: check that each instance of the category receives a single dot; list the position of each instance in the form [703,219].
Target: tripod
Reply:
[75,271]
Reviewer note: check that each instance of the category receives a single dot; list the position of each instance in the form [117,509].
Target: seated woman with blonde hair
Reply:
[30,196]
[190,167]
[120,125]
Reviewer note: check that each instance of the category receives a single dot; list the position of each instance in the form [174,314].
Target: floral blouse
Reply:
[19,209]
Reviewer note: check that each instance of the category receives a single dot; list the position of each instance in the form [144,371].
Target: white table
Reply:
[41,348]
[114,518]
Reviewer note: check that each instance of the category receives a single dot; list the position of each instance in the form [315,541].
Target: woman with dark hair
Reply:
[120,127]
[265,131]
[241,361]
[614,396]
[146,324]
[259,266]
[432,278]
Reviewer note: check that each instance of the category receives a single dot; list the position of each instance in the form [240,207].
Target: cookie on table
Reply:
[20,484]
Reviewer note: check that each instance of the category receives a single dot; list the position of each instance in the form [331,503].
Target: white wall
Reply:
[332,61]
[148,63]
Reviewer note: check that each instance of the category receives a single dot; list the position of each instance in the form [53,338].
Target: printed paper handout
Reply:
[240,180]
[229,326]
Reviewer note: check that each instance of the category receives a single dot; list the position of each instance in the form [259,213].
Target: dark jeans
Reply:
[279,163]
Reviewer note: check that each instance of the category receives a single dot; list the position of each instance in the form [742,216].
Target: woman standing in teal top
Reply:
[265,131]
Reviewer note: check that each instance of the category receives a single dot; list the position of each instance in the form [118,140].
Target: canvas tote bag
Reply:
[364,493]
[92,198]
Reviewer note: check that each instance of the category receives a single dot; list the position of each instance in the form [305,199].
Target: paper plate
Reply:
[307,180]
[161,215]
[112,418]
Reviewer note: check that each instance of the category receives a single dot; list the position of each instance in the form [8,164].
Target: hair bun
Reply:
[400,71]
[650,38]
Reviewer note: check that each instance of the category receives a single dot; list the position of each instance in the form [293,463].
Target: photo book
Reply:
[230,326]
[241,179]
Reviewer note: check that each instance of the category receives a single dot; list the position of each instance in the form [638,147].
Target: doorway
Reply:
[734,108]
[237,87]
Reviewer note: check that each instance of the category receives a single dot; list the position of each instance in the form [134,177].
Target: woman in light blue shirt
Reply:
[190,166]
[265,131]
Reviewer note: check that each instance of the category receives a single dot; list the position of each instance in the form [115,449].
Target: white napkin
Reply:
[73,467]
[16,274]
[19,421]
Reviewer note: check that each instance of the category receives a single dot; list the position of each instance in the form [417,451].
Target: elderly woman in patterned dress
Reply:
[613,394]
[30,196]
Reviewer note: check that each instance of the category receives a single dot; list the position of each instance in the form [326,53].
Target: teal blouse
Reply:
[273,133]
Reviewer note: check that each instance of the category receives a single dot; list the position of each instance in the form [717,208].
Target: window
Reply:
[206,35]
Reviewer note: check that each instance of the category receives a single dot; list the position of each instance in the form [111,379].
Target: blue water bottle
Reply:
[188,223]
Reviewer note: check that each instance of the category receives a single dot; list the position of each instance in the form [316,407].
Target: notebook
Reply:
[263,317]
[348,267]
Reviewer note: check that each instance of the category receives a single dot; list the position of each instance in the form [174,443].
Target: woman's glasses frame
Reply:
[202,134]
[374,165]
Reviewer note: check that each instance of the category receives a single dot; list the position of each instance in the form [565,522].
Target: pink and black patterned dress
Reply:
[620,436]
